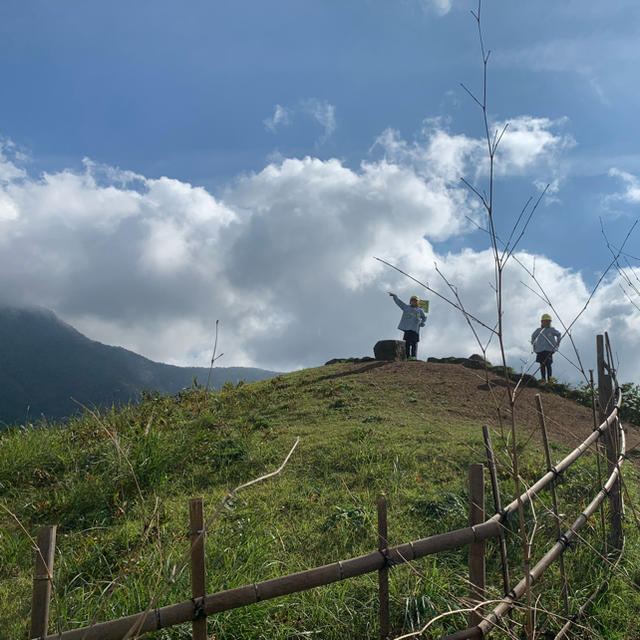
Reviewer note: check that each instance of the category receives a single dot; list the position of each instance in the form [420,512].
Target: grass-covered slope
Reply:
[118,484]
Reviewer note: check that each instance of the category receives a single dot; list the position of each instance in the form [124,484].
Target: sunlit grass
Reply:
[118,485]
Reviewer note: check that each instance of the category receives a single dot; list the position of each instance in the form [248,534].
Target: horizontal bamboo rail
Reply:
[215,603]
[492,619]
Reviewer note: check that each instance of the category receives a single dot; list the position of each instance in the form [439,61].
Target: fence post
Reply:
[197,567]
[554,499]
[383,574]
[605,402]
[476,549]
[42,582]
[599,446]
[612,375]
[497,504]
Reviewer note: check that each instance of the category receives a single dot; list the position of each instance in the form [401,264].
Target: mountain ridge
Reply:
[48,368]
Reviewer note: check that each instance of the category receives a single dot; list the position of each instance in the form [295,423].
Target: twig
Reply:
[428,288]
[178,569]
[213,359]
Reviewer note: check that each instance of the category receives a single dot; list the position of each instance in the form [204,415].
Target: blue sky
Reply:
[164,164]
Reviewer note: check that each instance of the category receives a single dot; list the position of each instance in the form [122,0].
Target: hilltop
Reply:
[118,485]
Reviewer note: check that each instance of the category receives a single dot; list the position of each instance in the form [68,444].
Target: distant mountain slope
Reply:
[44,362]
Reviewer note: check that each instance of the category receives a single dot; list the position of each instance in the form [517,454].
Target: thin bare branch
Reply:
[481,197]
[498,138]
[213,358]
[471,95]
[178,569]
[436,293]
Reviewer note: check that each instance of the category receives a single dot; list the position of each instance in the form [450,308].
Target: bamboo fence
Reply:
[202,605]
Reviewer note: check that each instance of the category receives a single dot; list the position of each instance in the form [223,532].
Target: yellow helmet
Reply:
[545,316]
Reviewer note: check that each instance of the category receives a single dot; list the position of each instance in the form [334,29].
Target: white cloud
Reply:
[436,155]
[596,56]
[441,7]
[631,193]
[320,111]
[528,141]
[8,208]
[285,260]
[281,117]
[9,155]
[323,113]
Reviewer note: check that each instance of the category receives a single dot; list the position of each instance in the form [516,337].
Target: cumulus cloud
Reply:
[527,143]
[284,258]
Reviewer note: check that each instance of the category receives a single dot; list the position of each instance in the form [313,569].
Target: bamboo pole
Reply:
[605,395]
[603,522]
[497,505]
[611,372]
[42,581]
[477,561]
[554,499]
[618,495]
[383,573]
[197,567]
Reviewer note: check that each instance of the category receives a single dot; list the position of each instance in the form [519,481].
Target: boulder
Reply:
[390,350]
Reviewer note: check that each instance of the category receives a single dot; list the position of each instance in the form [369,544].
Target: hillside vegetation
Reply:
[117,484]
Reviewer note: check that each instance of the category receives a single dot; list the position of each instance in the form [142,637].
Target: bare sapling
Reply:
[502,252]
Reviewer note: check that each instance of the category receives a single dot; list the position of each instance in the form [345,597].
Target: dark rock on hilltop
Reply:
[349,360]
[390,350]
[478,362]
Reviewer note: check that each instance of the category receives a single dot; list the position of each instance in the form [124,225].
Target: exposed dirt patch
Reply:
[467,393]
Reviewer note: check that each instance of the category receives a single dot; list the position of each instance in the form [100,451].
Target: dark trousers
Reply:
[544,359]
[411,339]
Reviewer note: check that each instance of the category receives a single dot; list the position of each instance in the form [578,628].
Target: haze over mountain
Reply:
[45,364]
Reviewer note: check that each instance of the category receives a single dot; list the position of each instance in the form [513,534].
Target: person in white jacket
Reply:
[413,317]
[544,341]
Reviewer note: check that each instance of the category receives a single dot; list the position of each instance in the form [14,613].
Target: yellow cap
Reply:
[414,298]
[545,316]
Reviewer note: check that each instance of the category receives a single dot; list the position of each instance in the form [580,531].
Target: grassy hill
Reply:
[48,368]
[118,484]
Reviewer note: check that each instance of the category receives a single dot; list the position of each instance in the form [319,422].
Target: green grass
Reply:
[117,485]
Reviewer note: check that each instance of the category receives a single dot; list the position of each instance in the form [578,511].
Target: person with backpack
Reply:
[544,341]
[413,318]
